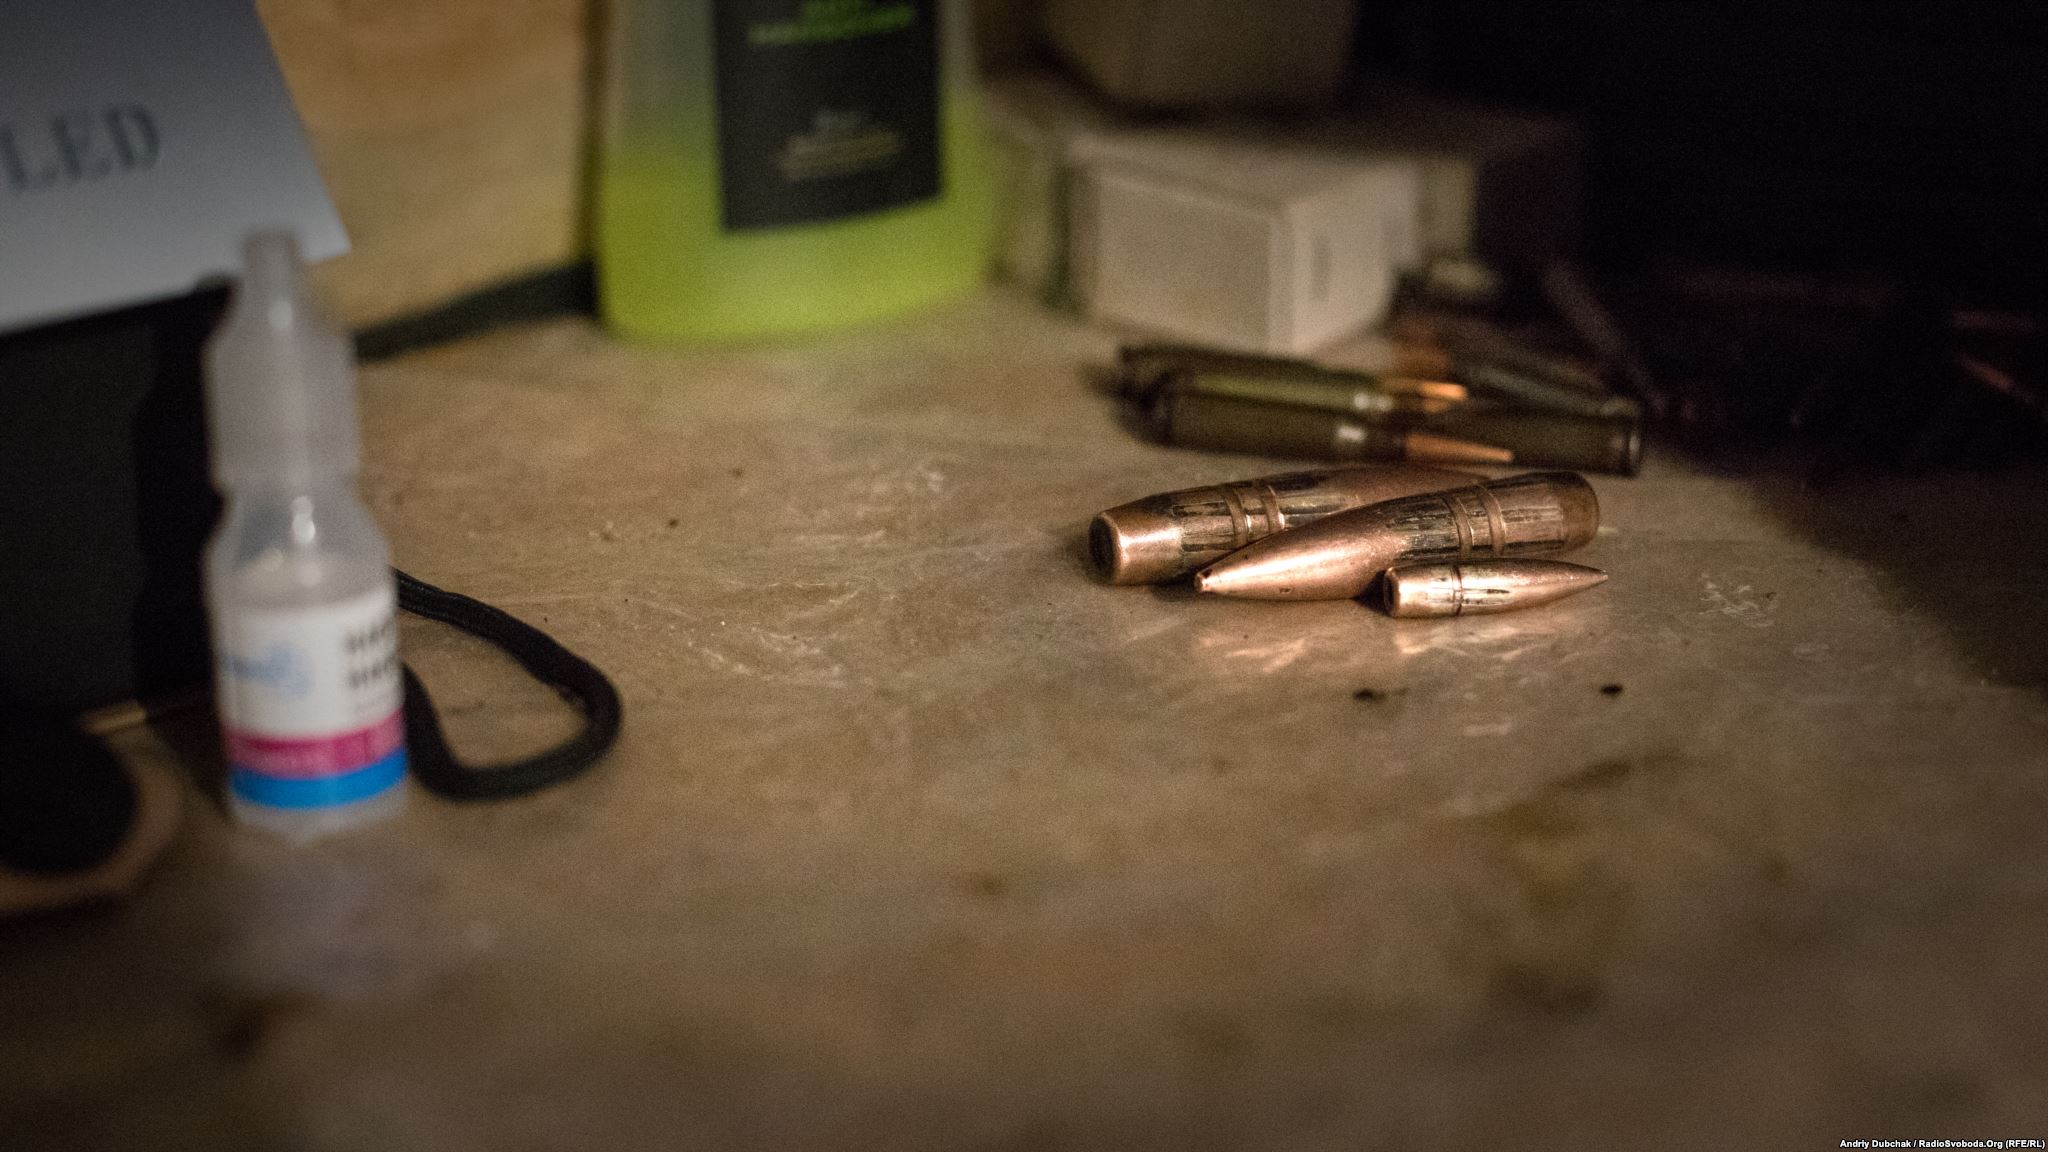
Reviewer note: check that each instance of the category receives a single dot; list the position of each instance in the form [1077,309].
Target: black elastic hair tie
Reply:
[577,680]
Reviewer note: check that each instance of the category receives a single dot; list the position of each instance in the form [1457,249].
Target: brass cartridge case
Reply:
[1481,587]
[1162,537]
[1314,388]
[1465,342]
[1145,365]
[1533,391]
[1549,439]
[1339,556]
[1146,370]
[1227,424]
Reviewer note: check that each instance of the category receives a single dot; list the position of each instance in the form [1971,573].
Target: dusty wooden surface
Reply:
[920,838]
[452,136]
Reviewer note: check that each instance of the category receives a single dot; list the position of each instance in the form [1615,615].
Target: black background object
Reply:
[105,506]
[66,804]
[1825,136]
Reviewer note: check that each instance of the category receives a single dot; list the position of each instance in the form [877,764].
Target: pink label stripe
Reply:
[316,755]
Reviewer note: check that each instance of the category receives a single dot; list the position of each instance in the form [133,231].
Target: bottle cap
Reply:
[280,378]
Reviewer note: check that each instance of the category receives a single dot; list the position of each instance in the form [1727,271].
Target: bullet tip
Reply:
[1102,549]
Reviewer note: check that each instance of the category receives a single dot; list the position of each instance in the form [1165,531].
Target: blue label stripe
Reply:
[318,791]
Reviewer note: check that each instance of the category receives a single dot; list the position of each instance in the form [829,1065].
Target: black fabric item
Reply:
[66,804]
[578,681]
[103,462]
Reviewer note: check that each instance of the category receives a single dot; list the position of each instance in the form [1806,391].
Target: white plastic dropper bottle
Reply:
[298,577]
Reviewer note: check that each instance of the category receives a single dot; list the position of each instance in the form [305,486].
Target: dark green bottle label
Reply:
[826,108]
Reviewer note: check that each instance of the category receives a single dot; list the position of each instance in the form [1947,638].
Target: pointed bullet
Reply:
[1161,537]
[1338,556]
[1482,586]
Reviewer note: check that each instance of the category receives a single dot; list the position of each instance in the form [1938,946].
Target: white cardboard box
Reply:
[1258,249]
[1041,128]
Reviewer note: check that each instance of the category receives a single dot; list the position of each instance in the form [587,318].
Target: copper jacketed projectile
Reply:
[1482,586]
[1338,556]
[1171,534]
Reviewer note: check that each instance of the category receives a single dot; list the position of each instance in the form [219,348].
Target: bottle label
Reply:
[311,701]
[826,108]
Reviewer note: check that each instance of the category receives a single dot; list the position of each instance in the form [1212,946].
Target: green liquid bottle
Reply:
[778,166]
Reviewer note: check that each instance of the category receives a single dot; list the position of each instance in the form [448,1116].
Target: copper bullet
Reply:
[1161,537]
[1226,424]
[1337,557]
[1482,586]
